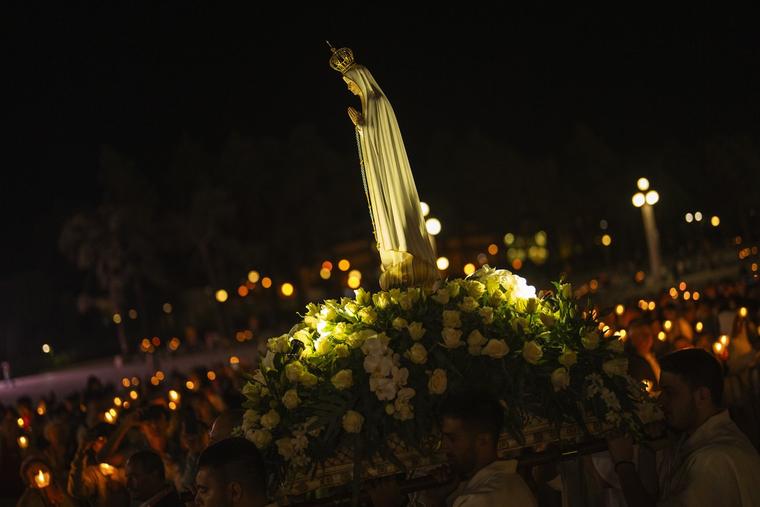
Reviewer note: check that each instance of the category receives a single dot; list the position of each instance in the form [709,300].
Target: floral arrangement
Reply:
[356,373]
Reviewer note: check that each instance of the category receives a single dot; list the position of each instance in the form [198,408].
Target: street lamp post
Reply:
[646,202]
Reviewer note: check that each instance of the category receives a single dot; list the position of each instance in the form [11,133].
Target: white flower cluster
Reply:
[386,376]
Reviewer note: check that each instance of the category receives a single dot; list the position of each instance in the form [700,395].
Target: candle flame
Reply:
[42,479]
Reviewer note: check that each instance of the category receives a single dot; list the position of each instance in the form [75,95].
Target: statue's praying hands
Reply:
[356,117]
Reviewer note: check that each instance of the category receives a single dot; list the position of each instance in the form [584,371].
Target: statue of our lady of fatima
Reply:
[406,253]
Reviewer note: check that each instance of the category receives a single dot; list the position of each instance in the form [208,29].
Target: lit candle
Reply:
[23,442]
[42,479]
[106,469]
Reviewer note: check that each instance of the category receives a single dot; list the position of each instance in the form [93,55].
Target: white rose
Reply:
[495,349]
[451,318]
[560,379]
[468,304]
[568,358]
[438,381]
[353,421]
[290,399]
[343,379]
[399,323]
[285,448]
[441,296]
[452,338]
[532,352]
[591,340]
[271,419]
[617,366]
[261,438]
[418,354]
[384,388]
[416,331]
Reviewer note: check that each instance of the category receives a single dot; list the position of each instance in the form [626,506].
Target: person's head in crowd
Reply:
[231,473]
[193,433]
[691,385]
[471,423]
[641,336]
[154,424]
[98,435]
[225,423]
[681,343]
[145,475]
[56,433]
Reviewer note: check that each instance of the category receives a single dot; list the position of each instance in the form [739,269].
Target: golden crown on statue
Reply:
[342,59]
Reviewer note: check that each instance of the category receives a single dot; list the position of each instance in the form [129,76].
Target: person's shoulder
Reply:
[172,499]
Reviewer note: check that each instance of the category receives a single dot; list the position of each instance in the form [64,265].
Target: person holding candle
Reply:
[42,490]
[99,484]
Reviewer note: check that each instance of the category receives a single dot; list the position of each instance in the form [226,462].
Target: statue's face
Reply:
[352,86]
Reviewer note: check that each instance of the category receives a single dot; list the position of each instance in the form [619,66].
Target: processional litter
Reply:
[351,392]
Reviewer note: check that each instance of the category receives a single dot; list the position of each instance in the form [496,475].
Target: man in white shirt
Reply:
[713,463]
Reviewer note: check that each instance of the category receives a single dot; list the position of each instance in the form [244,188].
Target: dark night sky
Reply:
[138,79]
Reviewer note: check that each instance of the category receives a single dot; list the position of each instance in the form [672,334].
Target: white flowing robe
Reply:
[405,250]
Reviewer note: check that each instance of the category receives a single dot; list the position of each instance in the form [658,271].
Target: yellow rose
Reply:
[418,354]
[405,301]
[486,313]
[560,379]
[290,399]
[495,349]
[441,296]
[532,352]
[591,340]
[294,371]
[453,288]
[343,379]
[617,366]
[475,289]
[531,305]
[451,318]
[468,304]
[399,323]
[475,338]
[568,358]
[548,320]
[341,350]
[322,345]
[368,315]
[309,379]
[261,438]
[285,448]
[438,381]
[353,421]
[452,338]
[362,297]
[381,299]
[279,344]
[250,419]
[328,313]
[270,420]
[416,331]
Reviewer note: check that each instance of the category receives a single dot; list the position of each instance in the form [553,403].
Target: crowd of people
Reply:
[169,440]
